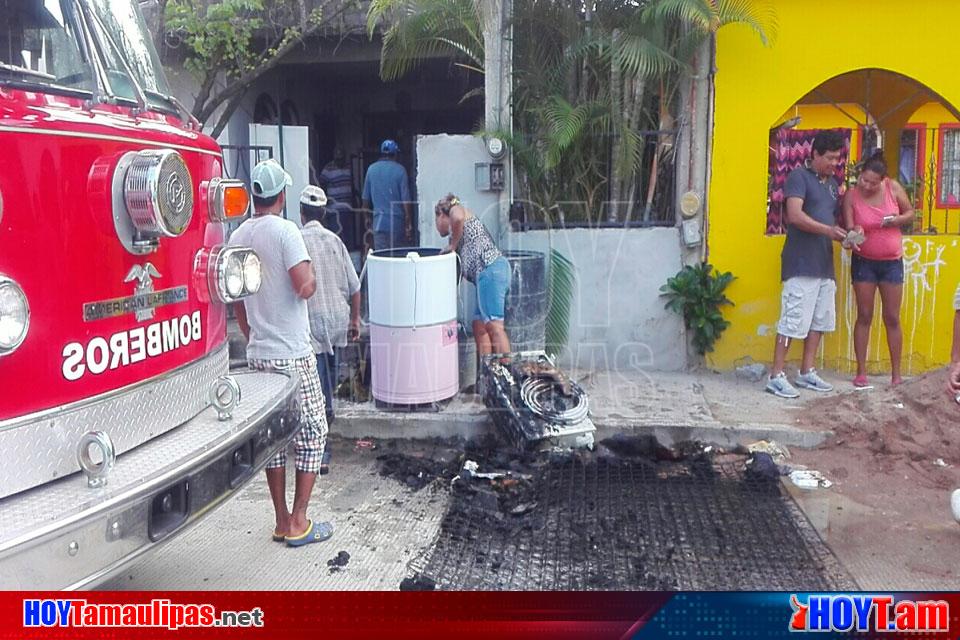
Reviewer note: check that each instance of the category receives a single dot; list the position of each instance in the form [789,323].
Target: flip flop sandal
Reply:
[861,381]
[316,532]
[276,537]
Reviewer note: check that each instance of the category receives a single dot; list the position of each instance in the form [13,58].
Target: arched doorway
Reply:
[875,109]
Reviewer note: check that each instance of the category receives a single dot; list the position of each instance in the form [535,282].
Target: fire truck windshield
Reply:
[40,44]
[126,31]
[47,43]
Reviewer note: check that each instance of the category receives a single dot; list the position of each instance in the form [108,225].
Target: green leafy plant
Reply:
[588,79]
[562,286]
[228,45]
[418,30]
[697,294]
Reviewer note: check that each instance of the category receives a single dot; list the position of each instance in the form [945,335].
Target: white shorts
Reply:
[807,304]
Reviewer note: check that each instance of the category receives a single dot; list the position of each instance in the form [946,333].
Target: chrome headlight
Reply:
[251,272]
[14,315]
[234,273]
[158,192]
[233,276]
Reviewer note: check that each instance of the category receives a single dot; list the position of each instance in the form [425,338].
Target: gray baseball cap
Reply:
[268,179]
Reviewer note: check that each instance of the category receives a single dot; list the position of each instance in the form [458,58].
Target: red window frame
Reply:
[952,126]
[921,163]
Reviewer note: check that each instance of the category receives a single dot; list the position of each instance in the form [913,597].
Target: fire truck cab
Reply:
[120,423]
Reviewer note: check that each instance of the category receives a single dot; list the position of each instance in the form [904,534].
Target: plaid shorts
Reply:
[312,437]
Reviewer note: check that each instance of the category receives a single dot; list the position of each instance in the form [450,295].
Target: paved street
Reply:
[386,527]
[380,522]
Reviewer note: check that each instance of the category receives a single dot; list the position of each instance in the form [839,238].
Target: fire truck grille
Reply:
[629,524]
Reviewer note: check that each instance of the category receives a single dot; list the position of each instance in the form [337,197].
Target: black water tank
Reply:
[526,317]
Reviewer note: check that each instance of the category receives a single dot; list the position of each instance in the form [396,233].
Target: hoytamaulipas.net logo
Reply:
[855,612]
[61,612]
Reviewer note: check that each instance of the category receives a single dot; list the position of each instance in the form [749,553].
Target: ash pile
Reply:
[533,404]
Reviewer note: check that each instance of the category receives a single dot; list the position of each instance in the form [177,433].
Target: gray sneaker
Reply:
[812,380]
[779,386]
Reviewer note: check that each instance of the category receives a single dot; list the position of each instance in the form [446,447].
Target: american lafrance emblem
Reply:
[142,303]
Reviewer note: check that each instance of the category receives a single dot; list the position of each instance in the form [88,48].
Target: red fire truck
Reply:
[120,424]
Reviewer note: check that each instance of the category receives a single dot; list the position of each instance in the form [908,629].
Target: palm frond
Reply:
[476,57]
[637,55]
[706,16]
[565,123]
[378,11]
[476,92]
[423,29]
[697,14]
[759,15]
[562,286]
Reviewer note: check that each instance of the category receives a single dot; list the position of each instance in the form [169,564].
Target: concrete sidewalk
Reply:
[719,409]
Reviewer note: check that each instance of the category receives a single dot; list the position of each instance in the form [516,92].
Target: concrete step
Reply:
[467,417]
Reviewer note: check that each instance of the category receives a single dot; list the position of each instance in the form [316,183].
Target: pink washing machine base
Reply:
[414,365]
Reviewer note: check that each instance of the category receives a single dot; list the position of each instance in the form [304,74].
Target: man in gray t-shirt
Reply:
[275,322]
[277,315]
[807,304]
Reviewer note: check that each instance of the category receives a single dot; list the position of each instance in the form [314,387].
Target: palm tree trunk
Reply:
[616,143]
[633,121]
[665,124]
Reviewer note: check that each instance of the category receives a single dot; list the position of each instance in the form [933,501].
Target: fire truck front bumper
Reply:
[66,535]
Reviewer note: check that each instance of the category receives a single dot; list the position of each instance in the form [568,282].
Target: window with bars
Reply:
[911,169]
[949,187]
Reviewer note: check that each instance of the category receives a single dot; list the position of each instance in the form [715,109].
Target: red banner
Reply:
[333,614]
[467,615]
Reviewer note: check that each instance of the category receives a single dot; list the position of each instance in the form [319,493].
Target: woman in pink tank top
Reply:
[877,207]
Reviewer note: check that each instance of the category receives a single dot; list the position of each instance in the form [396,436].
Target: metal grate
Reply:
[628,524]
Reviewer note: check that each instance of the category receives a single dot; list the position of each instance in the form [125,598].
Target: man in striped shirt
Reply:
[335,307]
[336,179]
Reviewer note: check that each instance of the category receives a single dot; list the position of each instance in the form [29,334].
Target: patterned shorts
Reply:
[807,304]
[312,437]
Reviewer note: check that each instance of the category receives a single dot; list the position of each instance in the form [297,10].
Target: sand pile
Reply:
[918,420]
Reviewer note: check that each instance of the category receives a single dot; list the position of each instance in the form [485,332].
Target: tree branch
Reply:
[228,110]
[213,99]
[209,78]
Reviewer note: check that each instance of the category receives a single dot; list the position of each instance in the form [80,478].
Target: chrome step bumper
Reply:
[44,443]
[65,535]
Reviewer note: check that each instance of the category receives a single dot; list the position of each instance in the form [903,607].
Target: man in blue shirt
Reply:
[386,190]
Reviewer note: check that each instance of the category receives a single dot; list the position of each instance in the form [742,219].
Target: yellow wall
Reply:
[755,86]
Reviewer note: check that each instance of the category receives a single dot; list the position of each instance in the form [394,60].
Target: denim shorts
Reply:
[493,283]
[867,270]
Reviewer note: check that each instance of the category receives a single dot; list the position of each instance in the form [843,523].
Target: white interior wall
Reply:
[295,158]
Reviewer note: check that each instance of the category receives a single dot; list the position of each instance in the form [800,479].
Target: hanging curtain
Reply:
[789,149]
